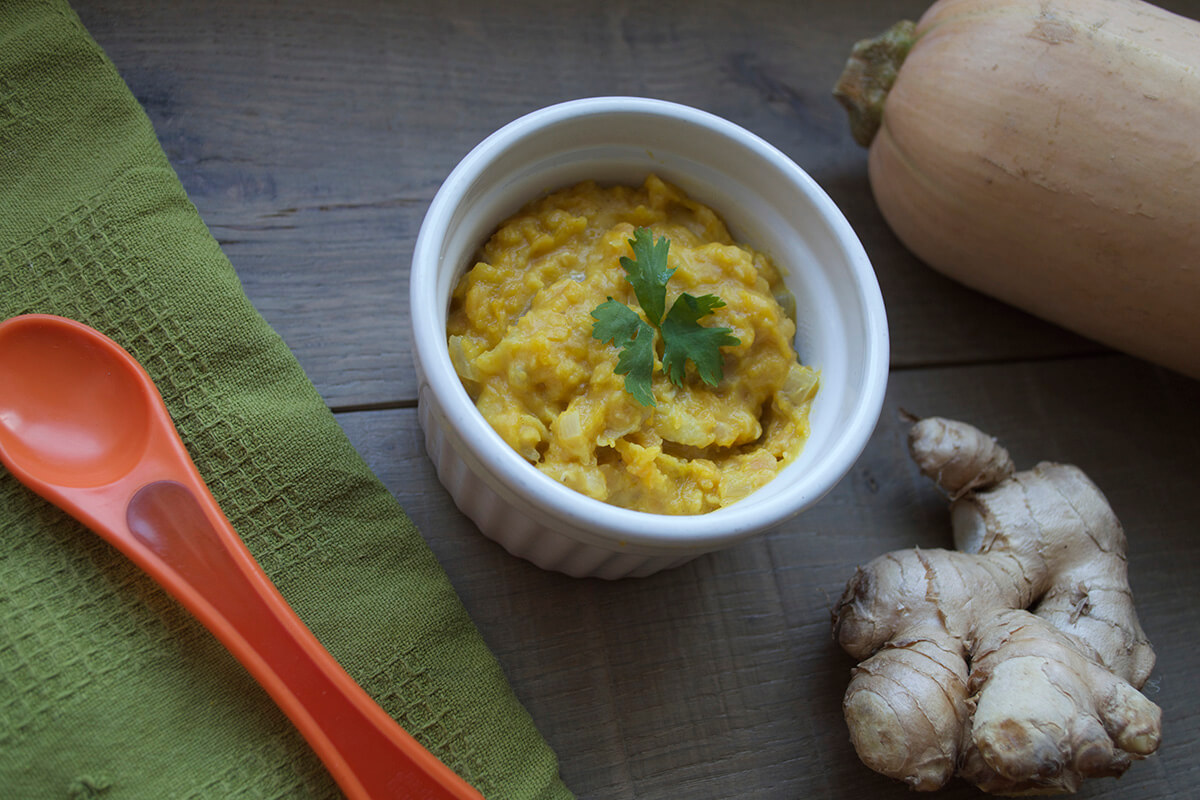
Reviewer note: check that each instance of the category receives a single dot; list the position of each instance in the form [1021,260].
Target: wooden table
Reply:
[312,135]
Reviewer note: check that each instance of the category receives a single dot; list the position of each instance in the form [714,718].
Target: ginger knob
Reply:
[1013,661]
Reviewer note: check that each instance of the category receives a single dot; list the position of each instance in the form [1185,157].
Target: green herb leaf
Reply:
[684,338]
[648,274]
[687,340]
[615,322]
[620,324]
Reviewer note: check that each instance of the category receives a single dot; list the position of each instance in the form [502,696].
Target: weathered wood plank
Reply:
[720,679]
[312,136]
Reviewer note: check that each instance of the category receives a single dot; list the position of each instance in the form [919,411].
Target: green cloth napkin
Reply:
[107,687]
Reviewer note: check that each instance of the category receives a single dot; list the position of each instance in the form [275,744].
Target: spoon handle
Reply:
[203,562]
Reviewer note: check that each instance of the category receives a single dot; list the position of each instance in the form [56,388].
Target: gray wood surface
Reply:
[312,135]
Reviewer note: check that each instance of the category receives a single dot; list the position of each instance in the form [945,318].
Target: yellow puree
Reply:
[520,337]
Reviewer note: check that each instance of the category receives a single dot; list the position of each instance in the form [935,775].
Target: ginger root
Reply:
[957,676]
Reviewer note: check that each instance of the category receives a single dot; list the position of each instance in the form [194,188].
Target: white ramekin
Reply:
[767,202]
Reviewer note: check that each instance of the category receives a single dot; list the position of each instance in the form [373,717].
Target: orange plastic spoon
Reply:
[82,424]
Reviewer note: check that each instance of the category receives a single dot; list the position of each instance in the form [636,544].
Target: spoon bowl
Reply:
[87,434]
[83,425]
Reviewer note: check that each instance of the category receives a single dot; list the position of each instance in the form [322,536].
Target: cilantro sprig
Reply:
[684,338]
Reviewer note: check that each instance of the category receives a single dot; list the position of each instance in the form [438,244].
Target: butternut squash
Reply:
[1046,152]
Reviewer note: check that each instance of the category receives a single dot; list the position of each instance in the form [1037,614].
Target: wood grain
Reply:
[312,136]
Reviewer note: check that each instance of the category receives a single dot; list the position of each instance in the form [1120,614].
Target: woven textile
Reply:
[107,687]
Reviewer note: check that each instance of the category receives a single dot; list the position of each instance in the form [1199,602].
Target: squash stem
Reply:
[869,74]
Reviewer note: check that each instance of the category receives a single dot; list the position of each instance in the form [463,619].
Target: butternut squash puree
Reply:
[520,337]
